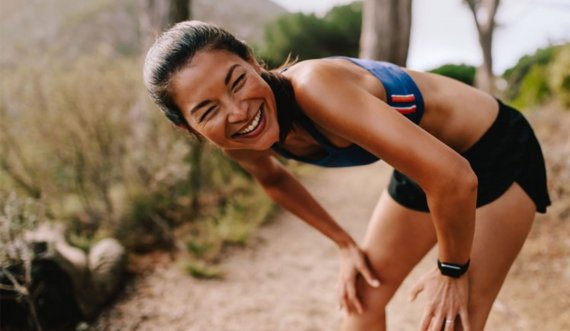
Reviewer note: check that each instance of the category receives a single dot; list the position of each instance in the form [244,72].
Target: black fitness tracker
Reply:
[452,269]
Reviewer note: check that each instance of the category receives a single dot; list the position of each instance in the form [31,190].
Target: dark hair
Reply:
[288,111]
[176,47]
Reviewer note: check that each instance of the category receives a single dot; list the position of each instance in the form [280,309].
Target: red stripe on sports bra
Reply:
[403,98]
[406,110]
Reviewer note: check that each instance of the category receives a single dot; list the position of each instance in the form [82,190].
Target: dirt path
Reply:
[286,279]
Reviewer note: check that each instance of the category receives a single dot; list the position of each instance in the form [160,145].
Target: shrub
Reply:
[515,75]
[461,72]
[17,289]
[68,133]
[308,36]
[86,139]
[538,78]
[533,89]
[558,76]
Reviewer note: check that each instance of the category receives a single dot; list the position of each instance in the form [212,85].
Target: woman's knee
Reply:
[374,302]
[376,298]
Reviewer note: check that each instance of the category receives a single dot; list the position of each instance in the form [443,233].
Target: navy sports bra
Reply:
[402,94]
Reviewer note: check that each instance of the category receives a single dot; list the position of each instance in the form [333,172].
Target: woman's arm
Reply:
[288,192]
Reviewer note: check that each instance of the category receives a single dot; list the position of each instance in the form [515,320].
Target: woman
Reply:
[469,171]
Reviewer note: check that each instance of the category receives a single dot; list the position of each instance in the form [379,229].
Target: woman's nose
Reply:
[237,111]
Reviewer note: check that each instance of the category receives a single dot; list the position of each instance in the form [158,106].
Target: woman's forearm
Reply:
[452,209]
[289,193]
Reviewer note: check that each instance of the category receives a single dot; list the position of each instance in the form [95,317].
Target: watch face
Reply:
[451,269]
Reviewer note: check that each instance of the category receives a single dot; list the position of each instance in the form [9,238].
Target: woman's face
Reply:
[224,98]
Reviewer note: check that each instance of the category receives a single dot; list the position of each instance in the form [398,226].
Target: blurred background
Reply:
[82,145]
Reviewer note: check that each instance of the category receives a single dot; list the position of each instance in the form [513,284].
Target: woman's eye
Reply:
[238,82]
[206,114]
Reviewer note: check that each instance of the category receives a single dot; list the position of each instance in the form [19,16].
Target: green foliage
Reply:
[84,137]
[203,247]
[17,216]
[559,76]
[232,223]
[461,72]
[308,36]
[516,75]
[346,23]
[202,270]
[142,226]
[533,89]
[68,133]
[251,207]
[540,77]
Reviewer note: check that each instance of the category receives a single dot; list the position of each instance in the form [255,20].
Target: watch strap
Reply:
[452,269]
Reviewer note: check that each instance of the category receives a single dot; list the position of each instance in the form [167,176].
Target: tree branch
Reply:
[473,6]
[492,13]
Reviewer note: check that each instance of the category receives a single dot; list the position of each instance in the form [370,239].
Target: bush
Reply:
[232,222]
[533,89]
[18,291]
[85,138]
[308,36]
[68,134]
[515,75]
[540,77]
[461,72]
[559,76]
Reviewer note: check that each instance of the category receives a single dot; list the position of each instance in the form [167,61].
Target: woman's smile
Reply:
[255,126]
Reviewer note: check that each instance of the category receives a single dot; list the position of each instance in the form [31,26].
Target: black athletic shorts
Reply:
[507,153]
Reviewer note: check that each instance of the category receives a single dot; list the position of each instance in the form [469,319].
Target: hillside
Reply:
[68,28]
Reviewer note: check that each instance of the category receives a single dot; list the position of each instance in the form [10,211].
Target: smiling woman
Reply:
[468,168]
[224,98]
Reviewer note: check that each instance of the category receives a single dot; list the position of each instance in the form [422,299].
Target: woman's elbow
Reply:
[459,179]
[464,178]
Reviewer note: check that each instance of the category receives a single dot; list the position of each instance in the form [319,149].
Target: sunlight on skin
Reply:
[220,95]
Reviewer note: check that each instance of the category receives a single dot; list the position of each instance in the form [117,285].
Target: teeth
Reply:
[253,124]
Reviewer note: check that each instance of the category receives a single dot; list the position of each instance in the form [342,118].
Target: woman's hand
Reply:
[447,297]
[353,262]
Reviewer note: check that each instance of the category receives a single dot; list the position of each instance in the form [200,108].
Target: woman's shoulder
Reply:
[310,69]
[312,79]
[316,74]
[316,78]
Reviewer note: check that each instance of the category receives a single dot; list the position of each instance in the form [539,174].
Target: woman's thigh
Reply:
[396,240]
[500,231]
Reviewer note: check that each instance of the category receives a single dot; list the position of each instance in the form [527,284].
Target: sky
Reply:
[443,31]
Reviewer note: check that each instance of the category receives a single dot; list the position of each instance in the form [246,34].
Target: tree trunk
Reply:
[484,78]
[386,26]
[156,16]
[179,11]
[484,12]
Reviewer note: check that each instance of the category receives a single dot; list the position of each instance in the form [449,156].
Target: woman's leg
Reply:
[396,240]
[501,229]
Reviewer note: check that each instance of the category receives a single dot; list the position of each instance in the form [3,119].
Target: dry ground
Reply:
[285,280]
